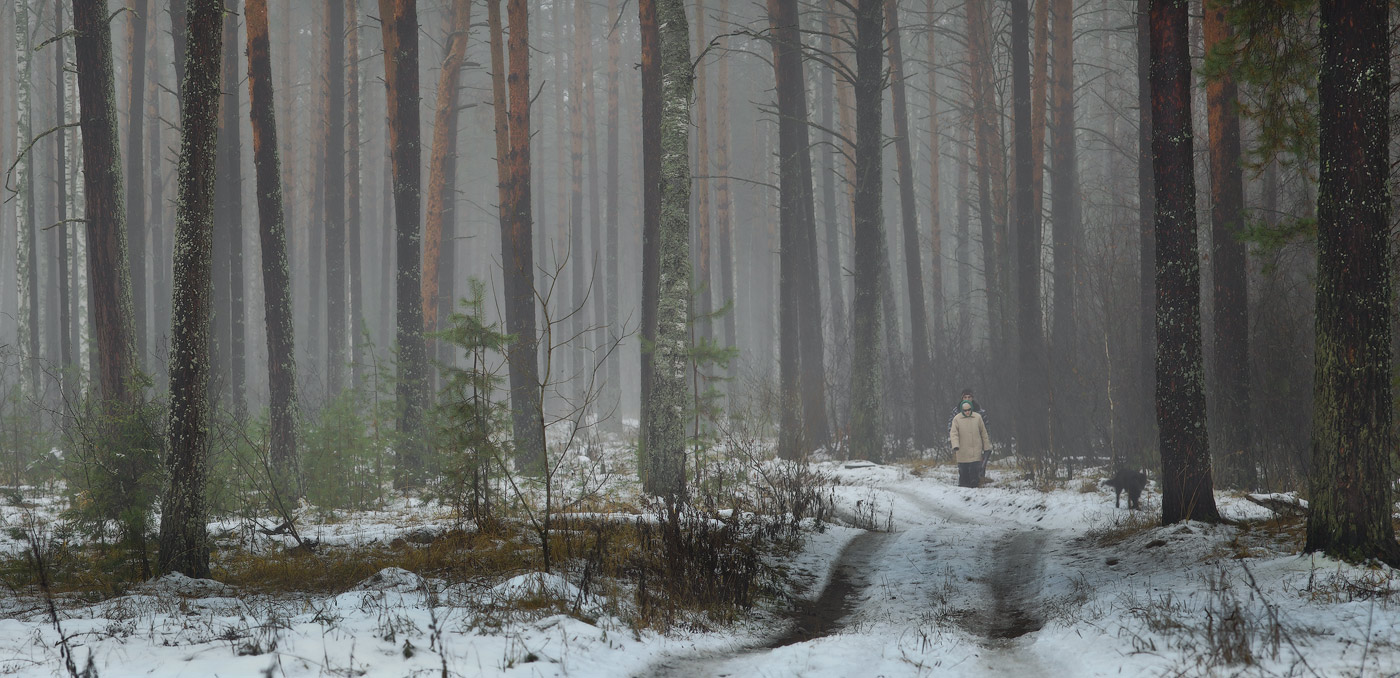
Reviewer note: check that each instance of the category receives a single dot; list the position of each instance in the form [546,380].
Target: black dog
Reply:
[1130,481]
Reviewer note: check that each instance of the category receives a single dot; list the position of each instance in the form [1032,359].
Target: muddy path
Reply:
[999,603]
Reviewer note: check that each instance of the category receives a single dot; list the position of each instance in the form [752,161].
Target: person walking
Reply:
[968,436]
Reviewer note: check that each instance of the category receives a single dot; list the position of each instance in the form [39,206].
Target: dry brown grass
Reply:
[1123,528]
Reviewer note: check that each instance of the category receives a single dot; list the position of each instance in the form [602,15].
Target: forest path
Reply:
[895,584]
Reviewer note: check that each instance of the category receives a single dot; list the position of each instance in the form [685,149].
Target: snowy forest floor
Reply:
[1004,580]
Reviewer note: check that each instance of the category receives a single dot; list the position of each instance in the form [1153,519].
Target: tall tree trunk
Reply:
[651,221]
[352,201]
[1231,307]
[938,340]
[1033,416]
[314,224]
[577,264]
[989,154]
[277,299]
[1353,441]
[613,368]
[704,294]
[334,178]
[925,428]
[962,251]
[108,271]
[443,165]
[442,171]
[400,29]
[836,301]
[228,228]
[65,311]
[868,234]
[1147,249]
[28,265]
[668,399]
[596,252]
[184,539]
[141,11]
[517,251]
[1067,396]
[159,267]
[724,198]
[1181,405]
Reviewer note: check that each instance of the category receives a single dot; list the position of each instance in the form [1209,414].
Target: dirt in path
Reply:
[1014,585]
[851,576]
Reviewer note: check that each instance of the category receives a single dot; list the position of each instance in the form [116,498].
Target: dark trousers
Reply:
[969,473]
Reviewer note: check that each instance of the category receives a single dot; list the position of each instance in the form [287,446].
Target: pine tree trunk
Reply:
[1231,299]
[28,265]
[651,222]
[141,12]
[1181,406]
[281,363]
[1064,221]
[9,293]
[184,540]
[704,292]
[334,179]
[1353,441]
[925,428]
[724,199]
[1147,249]
[577,253]
[517,251]
[353,202]
[159,264]
[989,152]
[65,311]
[108,271]
[613,367]
[1032,418]
[938,349]
[400,29]
[868,234]
[228,230]
[669,400]
[962,251]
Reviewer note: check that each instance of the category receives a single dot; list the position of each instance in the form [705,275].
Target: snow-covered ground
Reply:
[1005,580]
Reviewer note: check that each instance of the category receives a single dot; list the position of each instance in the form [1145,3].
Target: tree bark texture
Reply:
[613,317]
[704,293]
[1067,395]
[724,198]
[228,229]
[353,229]
[668,401]
[938,338]
[868,236]
[184,540]
[517,253]
[65,309]
[277,301]
[1147,242]
[1353,440]
[1181,407]
[107,266]
[926,429]
[1228,270]
[651,215]
[989,168]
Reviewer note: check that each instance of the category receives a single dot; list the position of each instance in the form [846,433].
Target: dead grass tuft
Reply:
[1122,528]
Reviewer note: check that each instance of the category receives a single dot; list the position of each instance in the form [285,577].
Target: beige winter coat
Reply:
[968,435]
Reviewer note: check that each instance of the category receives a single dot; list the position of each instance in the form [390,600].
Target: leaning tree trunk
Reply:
[868,234]
[135,156]
[668,399]
[926,429]
[442,167]
[1032,416]
[400,29]
[334,178]
[184,539]
[1181,404]
[1353,440]
[108,272]
[1231,373]
[277,294]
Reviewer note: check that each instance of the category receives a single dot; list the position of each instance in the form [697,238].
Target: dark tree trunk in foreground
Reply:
[1145,429]
[868,234]
[1231,373]
[140,18]
[1181,402]
[184,540]
[337,333]
[109,285]
[1353,440]
[1032,417]
[277,292]
[517,252]
[400,28]
[926,429]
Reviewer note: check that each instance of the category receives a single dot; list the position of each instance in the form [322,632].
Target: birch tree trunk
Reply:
[184,539]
